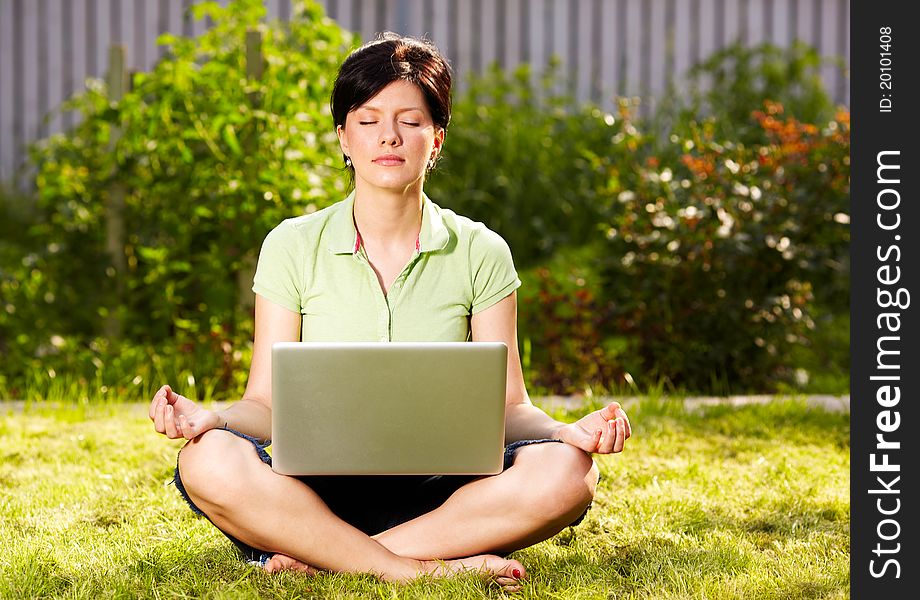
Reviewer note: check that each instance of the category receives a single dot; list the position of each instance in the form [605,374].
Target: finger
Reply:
[169,418]
[169,421]
[609,437]
[158,420]
[620,436]
[183,427]
[589,442]
[621,414]
[610,411]
[160,394]
[171,396]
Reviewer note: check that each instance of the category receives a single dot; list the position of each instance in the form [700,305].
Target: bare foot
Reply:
[506,573]
[281,562]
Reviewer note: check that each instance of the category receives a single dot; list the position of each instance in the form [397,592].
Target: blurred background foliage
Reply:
[704,249]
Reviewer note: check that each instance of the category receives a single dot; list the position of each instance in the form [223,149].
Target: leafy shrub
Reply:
[714,262]
[524,162]
[23,286]
[566,346]
[710,258]
[207,160]
[723,89]
[681,316]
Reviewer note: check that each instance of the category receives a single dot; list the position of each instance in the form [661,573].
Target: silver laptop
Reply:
[388,408]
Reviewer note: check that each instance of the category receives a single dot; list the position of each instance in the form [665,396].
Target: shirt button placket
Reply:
[383,308]
[383,325]
[394,296]
[391,302]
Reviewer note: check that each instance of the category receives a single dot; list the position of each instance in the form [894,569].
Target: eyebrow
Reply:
[399,110]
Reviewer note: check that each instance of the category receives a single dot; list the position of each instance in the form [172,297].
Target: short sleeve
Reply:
[494,275]
[279,273]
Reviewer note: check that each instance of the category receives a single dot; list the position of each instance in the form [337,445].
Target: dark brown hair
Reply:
[393,57]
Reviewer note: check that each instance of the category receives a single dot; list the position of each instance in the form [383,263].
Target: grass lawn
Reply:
[724,503]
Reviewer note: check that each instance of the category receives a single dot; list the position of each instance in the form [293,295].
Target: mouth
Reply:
[389,161]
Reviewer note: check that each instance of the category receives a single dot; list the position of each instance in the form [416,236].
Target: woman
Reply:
[386,264]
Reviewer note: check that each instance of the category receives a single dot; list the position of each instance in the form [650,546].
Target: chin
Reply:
[394,184]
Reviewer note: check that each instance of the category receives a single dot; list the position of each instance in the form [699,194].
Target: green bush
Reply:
[23,286]
[566,344]
[713,264]
[690,302]
[713,258]
[207,160]
[722,90]
[524,163]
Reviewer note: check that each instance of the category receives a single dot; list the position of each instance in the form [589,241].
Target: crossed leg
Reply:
[548,486]
[545,490]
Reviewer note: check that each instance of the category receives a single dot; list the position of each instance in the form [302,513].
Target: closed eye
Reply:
[373,122]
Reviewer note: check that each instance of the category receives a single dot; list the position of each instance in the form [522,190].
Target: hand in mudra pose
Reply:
[176,416]
[604,431]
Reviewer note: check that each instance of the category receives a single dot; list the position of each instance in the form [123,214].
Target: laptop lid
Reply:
[395,408]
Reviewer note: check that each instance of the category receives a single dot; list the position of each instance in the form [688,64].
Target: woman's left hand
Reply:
[604,431]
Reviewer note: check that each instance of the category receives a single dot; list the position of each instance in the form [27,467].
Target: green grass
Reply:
[722,503]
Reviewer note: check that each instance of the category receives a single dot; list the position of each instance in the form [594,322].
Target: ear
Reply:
[439,135]
[343,143]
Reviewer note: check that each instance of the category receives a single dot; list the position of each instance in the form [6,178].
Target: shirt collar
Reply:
[433,235]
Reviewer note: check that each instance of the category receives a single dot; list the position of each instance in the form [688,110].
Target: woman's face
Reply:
[391,138]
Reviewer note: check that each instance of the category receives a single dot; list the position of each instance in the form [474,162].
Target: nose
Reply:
[389,136]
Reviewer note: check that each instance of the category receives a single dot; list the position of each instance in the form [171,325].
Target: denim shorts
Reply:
[371,503]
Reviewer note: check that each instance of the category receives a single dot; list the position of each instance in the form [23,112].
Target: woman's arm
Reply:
[252,414]
[523,420]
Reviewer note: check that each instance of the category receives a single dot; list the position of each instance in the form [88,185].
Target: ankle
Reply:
[407,570]
[435,568]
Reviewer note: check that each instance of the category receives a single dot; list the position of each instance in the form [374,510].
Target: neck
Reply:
[386,218]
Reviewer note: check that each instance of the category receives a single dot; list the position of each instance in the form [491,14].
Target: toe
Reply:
[515,570]
[277,563]
[281,562]
[508,585]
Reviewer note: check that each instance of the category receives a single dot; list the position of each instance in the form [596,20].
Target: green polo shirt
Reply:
[315,265]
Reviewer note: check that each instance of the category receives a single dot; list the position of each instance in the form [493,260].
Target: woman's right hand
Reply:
[176,416]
